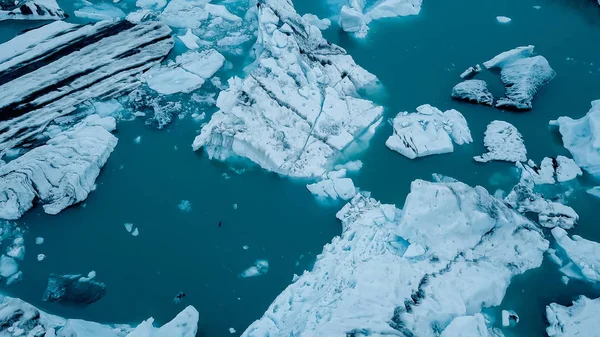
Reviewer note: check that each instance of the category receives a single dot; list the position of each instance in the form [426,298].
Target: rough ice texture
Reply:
[259,268]
[475,91]
[18,318]
[467,326]
[522,74]
[580,319]
[428,131]
[503,19]
[370,281]
[582,256]
[60,173]
[471,71]
[73,288]
[46,72]
[594,191]
[335,185]
[30,10]
[296,113]
[99,12]
[356,16]
[582,138]
[187,73]
[503,142]
[551,170]
[314,20]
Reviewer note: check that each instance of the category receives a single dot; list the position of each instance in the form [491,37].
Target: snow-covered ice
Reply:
[296,113]
[428,131]
[550,171]
[335,185]
[503,142]
[314,20]
[8,266]
[579,319]
[509,317]
[471,71]
[474,244]
[503,19]
[582,138]
[581,257]
[259,268]
[99,12]
[522,74]
[41,257]
[31,10]
[475,91]
[467,326]
[355,16]
[185,206]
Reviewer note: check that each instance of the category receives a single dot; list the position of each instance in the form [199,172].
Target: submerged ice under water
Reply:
[203,250]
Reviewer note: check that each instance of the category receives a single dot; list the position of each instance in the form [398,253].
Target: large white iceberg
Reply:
[582,138]
[503,142]
[30,10]
[475,91]
[60,173]
[297,112]
[581,256]
[356,15]
[449,253]
[428,131]
[580,319]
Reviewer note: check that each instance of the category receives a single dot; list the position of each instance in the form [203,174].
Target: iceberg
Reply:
[503,19]
[522,74]
[356,16]
[503,142]
[60,173]
[73,288]
[191,13]
[467,326]
[428,131]
[470,72]
[334,186]
[582,138]
[582,257]
[297,112]
[475,91]
[551,170]
[580,319]
[364,282]
[314,20]
[30,10]
[259,268]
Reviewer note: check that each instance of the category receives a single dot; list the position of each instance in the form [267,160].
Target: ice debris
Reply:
[594,191]
[474,244]
[503,19]
[30,10]
[74,289]
[580,257]
[428,131]
[129,227]
[550,171]
[356,16]
[60,173]
[231,330]
[190,40]
[259,268]
[580,319]
[335,185]
[468,326]
[41,257]
[312,19]
[470,72]
[296,113]
[522,74]
[185,206]
[475,91]
[503,142]
[509,318]
[39,240]
[582,138]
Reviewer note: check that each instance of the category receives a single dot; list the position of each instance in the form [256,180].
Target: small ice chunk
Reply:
[18,276]
[41,257]
[314,20]
[245,247]
[584,254]
[129,227]
[414,250]
[138,139]
[475,91]
[92,274]
[235,206]
[334,188]
[17,252]
[231,330]
[185,206]
[537,7]
[503,142]
[135,232]
[351,166]
[471,71]
[567,169]
[503,19]
[509,318]
[389,212]
[259,268]
[594,191]
[190,40]
[8,266]
[39,240]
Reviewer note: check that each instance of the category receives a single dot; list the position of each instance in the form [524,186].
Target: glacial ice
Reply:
[190,40]
[60,173]
[361,283]
[467,326]
[503,142]
[8,266]
[594,191]
[550,171]
[428,131]
[296,113]
[356,16]
[73,288]
[30,10]
[99,12]
[582,257]
[475,91]
[580,319]
[334,186]
[522,74]
[582,138]
[503,19]
[509,317]
[314,20]
[470,72]
[259,268]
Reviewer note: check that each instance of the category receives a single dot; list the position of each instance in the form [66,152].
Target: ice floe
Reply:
[60,173]
[185,206]
[471,71]
[580,258]
[335,185]
[355,16]
[39,240]
[550,171]
[259,268]
[314,20]
[473,245]
[580,319]
[99,12]
[594,191]
[428,131]
[467,326]
[582,138]
[41,257]
[475,91]
[30,10]
[509,318]
[523,74]
[296,113]
[503,19]
[74,289]
[503,142]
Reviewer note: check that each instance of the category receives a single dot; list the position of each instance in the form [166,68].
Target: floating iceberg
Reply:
[428,131]
[259,268]
[356,16]
[550,171]
[334,186]
[364,281]
[503,142]
[582,138]
[30,10]
[73,288]
[580,319]
[522,74]
[60,173]
[475,91]
[582,257]
[296,113]
[314,20]
[471,71]
[503,19]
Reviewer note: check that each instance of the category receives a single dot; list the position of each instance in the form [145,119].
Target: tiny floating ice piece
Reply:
[508,317]
[39,240]
[41,257]
[231,330]
[129,227]
[260,267]
[135,232]
[185,206]
[503,19]
[138,139]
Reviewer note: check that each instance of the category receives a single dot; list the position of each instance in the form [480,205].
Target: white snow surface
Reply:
[466,326]
[314,20]
[474,244]
[259,268]
[503,142]
[503,19]
[428,131]
[335,185]
[582,138]
[297,112]
[583,254]
[471,71]
[355,16]
[580,319]
[60,173]
[475,91]
[50,10]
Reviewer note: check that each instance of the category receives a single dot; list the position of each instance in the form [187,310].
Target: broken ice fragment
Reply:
[260,267]
[129,227]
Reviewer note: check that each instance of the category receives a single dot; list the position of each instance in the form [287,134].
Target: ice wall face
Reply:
[450,252]
[298,109]
[580,319]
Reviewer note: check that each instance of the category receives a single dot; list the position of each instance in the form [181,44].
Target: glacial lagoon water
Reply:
[418,60]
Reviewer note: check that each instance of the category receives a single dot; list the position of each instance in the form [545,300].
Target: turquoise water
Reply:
[418,60]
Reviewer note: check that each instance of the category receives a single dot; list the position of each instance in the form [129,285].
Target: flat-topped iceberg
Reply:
[335,185]
[60,173]
[30,10]
[522,74]
[297,112]
[355,16]
[428,131]
[503,142]
[580,319]
[475,91]
[551,170]
[582,138]
[581,256]
[449,253]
